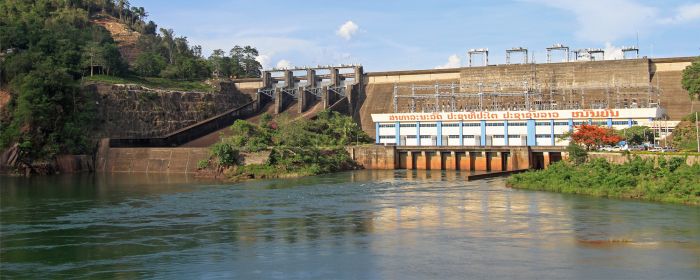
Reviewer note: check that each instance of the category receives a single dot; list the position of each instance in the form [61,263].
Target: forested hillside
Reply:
[48,47]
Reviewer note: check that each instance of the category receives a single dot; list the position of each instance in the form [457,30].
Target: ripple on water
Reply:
[364,224]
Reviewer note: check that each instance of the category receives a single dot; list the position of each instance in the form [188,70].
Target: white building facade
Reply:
[502,128]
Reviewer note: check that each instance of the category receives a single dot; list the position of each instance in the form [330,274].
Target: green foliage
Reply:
[202,164]
[149,64]
[46,46]
[241,63]
[226,154]
[301,147]
[186,68]
[691,79]
[577,154]
[684,137]
[667,181]
[637,135]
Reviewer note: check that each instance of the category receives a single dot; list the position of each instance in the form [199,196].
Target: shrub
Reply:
[202,164]
[226,154]
[671,181]
[577,155]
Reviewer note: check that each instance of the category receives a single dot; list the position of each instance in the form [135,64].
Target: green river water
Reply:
[353,225]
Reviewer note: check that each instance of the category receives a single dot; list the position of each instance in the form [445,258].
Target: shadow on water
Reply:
[360,224]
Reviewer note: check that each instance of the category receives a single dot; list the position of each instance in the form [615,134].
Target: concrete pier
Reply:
[469,158]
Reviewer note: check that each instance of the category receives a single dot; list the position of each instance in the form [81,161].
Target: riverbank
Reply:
[283,148]
[661,180]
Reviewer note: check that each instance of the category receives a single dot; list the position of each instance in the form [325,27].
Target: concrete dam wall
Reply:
[664,75]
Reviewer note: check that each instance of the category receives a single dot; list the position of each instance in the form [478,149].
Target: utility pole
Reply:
[697,135]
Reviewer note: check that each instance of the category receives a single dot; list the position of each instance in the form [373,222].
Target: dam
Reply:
[642,90]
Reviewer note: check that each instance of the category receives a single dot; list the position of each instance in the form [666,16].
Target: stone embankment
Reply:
[132,111]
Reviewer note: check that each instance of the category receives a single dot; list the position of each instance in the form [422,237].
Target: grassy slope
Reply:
[159,83]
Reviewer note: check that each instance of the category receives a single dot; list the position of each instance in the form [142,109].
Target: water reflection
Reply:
[364,224]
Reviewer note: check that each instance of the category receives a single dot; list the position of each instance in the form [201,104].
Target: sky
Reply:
[385,35]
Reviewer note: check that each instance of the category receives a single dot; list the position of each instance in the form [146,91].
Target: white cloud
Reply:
[454,61]
[347,30]
[684,13]
[606,20]
[284,64]
[264,60]
[612,52]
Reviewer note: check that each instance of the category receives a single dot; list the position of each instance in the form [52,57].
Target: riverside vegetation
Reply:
[296,148]
[663,180]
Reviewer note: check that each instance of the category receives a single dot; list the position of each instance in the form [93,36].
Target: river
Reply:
[352,225]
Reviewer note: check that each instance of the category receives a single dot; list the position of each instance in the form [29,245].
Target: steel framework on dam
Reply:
[522,96]
[295,81]
[585,54]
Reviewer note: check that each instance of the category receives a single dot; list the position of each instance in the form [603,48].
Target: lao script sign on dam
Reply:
[639,113]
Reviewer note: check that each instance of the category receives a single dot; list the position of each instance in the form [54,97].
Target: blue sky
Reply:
[403,35]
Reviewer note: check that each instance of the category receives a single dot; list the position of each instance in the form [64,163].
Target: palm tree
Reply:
[134,16]
[120,7]
[168,42]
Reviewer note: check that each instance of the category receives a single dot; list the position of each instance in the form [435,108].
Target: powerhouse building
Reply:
[501,128]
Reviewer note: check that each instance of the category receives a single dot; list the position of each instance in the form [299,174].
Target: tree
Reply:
[250,65]
[216,59]
[122,4]
[168,42]
[594,136]
[691,79]
[684,135]
[149,64]
[93,56]
[150,28]
[577,155]
[637,135]
[244,63]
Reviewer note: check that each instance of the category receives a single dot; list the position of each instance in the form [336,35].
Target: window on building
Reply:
[425,136]
[620,123]
[453,136]
[542,124]
[517,124]
[561,123]
[498,137]
[468,136]
[410,137]
[494,124]
[387,125]
[513,136]
[408,125]
[472,124]
[428,125]
[543,136]
[387,136]
[450,125]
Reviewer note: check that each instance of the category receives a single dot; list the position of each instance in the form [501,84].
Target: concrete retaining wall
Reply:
[619,158]
[374,157]
[151,160]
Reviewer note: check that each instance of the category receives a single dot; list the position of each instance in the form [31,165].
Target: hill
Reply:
[126,38]
[52,49]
